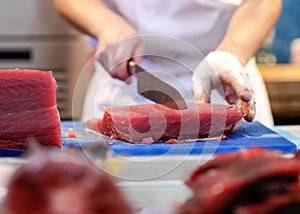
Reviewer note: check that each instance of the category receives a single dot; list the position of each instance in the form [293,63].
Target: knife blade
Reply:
[155,89]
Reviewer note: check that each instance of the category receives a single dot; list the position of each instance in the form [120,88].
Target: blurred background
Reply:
[34,36]
[279,63]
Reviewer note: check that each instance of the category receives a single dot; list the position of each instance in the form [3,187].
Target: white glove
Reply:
[222,70]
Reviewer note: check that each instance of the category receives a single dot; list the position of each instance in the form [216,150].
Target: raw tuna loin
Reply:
[252,181]
[28,109]
[63,183]
[138,122]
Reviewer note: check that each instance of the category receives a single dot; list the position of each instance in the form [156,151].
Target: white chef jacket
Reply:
[191,25]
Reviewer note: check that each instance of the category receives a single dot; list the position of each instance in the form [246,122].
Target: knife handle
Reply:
[131,67]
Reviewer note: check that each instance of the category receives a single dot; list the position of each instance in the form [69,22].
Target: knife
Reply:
[155,89]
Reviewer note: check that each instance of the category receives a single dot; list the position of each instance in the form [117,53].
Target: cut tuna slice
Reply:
[138,122]
[28,109]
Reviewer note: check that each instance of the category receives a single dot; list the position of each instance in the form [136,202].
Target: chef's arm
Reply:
[247,30]
[90,16]
[249,27]
[94,18]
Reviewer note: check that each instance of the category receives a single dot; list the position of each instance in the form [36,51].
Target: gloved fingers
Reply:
[247,108]
[201,97]
[202,82]
[202,88]
[231,98]
[238,80]
[228,69]
[230,78]
[227,91]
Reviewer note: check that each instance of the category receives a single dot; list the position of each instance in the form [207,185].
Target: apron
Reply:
[183,31]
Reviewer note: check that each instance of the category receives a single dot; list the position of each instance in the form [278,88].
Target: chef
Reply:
[225,33]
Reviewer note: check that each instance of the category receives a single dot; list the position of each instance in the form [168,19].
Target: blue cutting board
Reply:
[250,135]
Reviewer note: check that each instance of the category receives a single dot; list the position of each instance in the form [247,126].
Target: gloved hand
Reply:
[117,43]
[223,71]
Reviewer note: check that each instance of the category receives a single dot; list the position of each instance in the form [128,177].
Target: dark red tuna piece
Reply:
[28,109]
[42,125]
[24,90]
[251,181]
[63,183]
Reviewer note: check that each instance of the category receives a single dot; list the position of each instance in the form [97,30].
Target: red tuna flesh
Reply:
[135,123]
[66,183]
[28,109]
[251,181]
[23,90]
[42,125]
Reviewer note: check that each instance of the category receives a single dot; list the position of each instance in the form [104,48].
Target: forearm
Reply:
[249,27]
[89,16]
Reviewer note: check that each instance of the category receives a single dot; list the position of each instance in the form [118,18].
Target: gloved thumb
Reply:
[202,84]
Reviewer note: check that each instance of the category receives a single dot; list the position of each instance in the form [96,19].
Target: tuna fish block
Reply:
[138,122]
[28,109]
[23,90]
